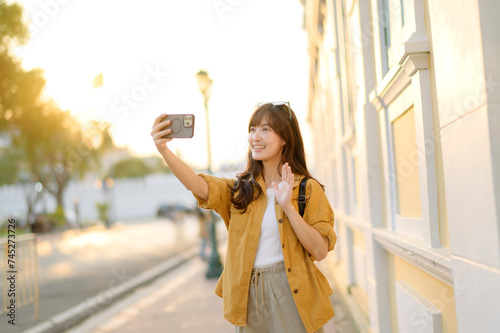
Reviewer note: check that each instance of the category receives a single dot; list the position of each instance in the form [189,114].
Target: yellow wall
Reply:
[405,151]
[435,291]
[358,239]
[392,292]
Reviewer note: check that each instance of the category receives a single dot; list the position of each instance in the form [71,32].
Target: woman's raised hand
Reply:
[159,130]
[284,195]
[181,170]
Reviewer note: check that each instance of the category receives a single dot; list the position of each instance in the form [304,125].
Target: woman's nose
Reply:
[256,135]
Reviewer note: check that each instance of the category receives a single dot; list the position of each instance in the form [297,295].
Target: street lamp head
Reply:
[208,93]
[202,77]
[204,83]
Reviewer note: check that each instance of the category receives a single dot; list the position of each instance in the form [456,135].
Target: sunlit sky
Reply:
[150,51]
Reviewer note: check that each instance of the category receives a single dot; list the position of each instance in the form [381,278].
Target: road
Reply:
[76,265]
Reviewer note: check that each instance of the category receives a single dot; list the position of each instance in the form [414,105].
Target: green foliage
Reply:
[158,165]
[130,168]
[138,167]
[9,166]
[103,211]
[57,218]
[12,27]
[57,148]
[4,229]
[19,89]
[49,144]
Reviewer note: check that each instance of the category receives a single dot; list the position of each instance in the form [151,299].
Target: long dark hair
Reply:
[278,118]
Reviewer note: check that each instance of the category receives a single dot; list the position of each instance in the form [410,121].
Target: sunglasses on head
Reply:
[278,103]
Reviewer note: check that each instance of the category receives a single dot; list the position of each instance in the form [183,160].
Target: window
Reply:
[402,13]
[392,18]
[385,34]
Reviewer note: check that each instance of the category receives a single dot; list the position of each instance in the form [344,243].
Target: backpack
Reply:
[301,199]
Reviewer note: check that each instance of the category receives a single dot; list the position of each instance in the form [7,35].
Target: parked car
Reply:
[174,210]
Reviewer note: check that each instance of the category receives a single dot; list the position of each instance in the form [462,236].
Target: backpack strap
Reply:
[301,199]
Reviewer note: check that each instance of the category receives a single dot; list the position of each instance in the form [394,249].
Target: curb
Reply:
[65,320]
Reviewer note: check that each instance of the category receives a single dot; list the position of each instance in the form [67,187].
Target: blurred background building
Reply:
[404,107]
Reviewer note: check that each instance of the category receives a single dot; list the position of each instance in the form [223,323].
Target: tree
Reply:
[158,165]
[20,90]
[57,148]
[52,148]
[9,166]
[130,168]
[46,144]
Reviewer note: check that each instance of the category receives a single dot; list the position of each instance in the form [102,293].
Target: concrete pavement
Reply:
[82,271]
[173,296]
[181,301]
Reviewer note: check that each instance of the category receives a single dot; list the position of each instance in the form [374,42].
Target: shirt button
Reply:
[295,291]
[277,202]
[283,246]
[280,221]
[289,269]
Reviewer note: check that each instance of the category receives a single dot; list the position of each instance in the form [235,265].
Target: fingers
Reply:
[158,137]
[160,127]
[159,124]
[286,173]
[160,134]
[158,119]
[275,186]
[165,140]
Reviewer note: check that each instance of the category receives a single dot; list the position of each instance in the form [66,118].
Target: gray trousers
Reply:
[271,308]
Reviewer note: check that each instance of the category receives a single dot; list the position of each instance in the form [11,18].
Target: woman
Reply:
[269,282]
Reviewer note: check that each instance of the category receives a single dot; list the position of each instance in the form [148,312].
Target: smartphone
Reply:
[182,126]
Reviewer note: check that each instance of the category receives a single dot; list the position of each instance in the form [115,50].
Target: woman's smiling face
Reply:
[265,143]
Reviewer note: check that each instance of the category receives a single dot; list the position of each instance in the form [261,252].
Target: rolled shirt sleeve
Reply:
[318,212]
[219,196]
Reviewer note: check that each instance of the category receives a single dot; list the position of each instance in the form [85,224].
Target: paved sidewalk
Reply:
[180,301]
[83,271]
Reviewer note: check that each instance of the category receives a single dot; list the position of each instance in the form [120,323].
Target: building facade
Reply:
[404,107]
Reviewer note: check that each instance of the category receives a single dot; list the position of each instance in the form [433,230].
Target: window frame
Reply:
[407,85]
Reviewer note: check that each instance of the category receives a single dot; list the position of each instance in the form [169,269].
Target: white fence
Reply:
[25,259]
[130,198]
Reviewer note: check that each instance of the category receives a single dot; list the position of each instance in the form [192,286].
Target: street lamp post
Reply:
[214,265]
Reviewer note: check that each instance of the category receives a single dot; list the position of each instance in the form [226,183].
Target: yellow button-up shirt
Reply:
[309,287]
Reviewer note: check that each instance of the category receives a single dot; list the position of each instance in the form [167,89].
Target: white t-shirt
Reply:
[269,251]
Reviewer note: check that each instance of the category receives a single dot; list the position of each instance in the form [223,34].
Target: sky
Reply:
[149,52]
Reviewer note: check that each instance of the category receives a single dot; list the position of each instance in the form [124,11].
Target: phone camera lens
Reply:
[188,121]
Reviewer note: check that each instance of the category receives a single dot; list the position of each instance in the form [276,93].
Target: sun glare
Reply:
[149,67]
